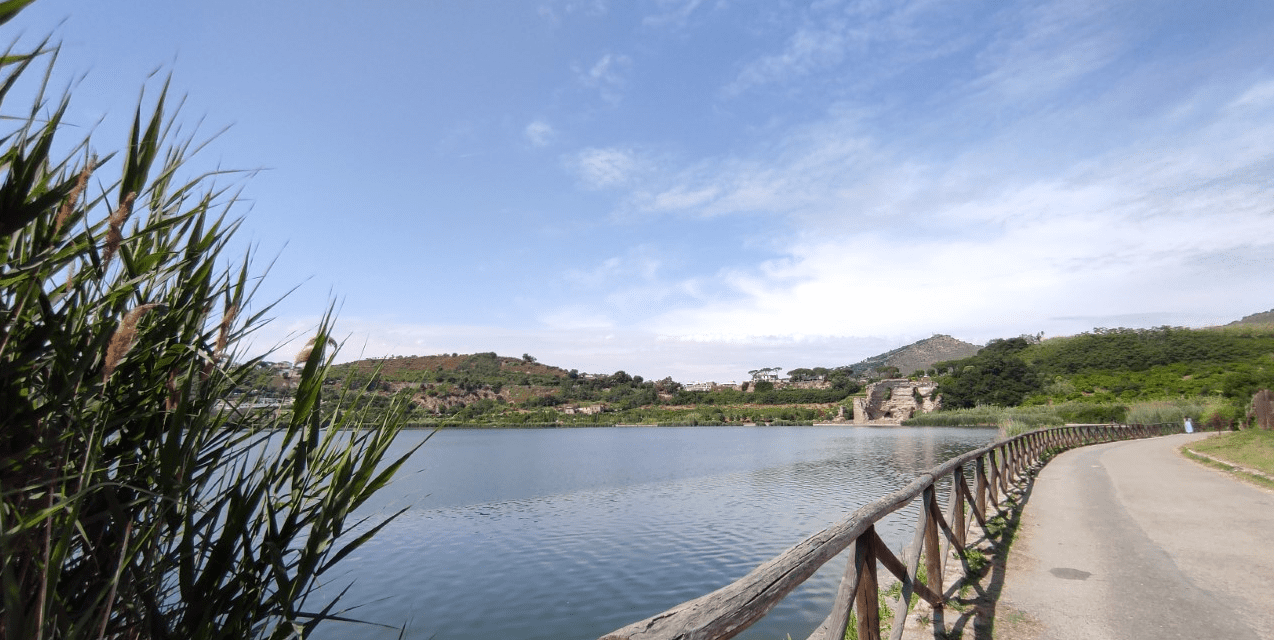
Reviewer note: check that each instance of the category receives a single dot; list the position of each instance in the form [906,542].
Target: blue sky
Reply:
[697,188]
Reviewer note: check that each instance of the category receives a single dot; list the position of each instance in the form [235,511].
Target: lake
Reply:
[572,533]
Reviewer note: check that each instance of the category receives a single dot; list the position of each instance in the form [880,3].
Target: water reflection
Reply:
[573,533]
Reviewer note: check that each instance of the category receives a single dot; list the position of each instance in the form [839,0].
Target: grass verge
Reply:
[1253,449]
[1249,455]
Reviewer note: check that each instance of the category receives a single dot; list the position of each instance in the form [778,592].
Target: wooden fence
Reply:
[994,469]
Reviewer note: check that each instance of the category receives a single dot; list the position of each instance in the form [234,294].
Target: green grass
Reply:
[1253,449]
[885,613]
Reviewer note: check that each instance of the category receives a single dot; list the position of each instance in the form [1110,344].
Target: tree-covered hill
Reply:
[1116,367]
[480,368]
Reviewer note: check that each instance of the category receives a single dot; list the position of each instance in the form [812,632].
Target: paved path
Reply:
[1130,540]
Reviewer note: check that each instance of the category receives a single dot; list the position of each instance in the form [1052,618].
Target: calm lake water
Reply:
[572,533]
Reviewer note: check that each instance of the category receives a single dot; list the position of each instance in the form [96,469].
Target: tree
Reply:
[998,377]
[528,358]
[135,500]
[667,385]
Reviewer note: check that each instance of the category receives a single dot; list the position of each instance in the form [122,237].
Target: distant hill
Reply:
[918,355]
[1264,317]
[488,367]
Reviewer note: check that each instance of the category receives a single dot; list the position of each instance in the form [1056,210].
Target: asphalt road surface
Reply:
[1130,540]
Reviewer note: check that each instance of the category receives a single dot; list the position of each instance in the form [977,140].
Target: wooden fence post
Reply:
[857,591]
[958,521]
[1002,470]
[933,547]
[979,470]
[865,596]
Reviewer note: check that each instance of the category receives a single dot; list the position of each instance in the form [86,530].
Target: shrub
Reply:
[135,502]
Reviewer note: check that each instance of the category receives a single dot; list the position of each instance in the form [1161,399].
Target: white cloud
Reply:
[1051,47]
[673,13]
[553,12]
[608,76]
[540,133]
[807,50]
[996,239]
[603,168]
[856,42]
[1260,96]
[682,197]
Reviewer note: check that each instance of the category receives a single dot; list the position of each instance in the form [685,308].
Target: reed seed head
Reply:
[124,337]
[223,334]
[303,356]
[73,198]
[115,234]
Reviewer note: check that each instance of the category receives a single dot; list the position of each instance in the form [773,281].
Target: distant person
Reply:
[1189,426]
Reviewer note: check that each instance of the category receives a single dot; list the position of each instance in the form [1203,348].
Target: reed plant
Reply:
[134,503]
[1165,411]
[1020,419]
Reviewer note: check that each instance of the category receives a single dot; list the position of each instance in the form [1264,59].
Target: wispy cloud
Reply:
[554,12]
[672,13]
[604,168]
[807,50]
[855,42]
[607,76]
[992,238]
[1048,48]
[539,133]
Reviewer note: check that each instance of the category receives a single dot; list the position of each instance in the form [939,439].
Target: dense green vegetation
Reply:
[1143,375]
[135,502]
[997,375]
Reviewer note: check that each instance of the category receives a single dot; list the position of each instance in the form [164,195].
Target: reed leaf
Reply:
[136,499]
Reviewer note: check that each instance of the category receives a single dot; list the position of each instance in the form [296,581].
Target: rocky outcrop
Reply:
[892,401]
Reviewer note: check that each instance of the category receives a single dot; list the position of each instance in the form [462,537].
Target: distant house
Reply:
[284,369]
[700,386]
[591,410]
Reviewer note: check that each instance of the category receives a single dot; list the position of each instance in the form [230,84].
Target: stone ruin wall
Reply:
[892,401]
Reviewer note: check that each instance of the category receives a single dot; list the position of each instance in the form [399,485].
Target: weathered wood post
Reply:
[1002,469]
[858,591]
[958,522]
[979,471]
[865,596]
[933,546]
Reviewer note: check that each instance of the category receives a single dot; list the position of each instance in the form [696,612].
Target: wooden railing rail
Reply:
[996,470]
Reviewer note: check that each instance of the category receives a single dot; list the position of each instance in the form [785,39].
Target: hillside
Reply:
[487,367]
[1093,376]
[1262,318]
[918,356]
[1108,374]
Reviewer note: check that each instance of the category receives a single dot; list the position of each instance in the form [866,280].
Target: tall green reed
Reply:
[132,504]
